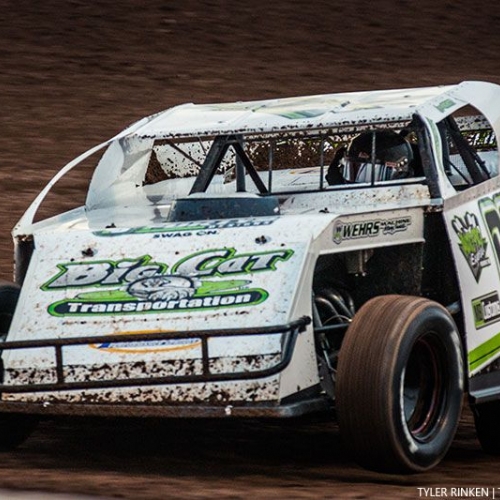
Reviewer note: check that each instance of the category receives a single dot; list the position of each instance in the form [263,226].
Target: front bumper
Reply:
[48,404]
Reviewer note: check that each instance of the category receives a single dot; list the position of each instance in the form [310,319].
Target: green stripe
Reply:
[485,351]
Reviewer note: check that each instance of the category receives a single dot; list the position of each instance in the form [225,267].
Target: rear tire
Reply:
[400,384]
[14,428]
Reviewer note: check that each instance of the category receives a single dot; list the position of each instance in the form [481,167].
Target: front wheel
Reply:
[14,428]
[400,384]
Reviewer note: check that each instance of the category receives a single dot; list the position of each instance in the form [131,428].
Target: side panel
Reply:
[473,222]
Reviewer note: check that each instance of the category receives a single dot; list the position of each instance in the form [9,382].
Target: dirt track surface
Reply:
[156,460]
[74,73]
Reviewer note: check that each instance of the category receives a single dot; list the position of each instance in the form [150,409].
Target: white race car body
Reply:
[216,265]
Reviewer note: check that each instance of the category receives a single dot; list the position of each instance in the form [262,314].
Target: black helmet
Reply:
[393,157]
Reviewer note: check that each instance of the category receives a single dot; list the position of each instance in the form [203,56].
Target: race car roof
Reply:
[278,115]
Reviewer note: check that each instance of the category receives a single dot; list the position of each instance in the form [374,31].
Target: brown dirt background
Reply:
[75,72]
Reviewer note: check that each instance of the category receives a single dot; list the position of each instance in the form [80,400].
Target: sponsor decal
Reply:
[297,114]
[142,285]
[148,346]
[486,310]
[490,211]
[83,305]
[444,105]
[368,229]
[204,228]
[471,242]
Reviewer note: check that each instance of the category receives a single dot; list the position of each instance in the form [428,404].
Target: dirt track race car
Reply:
[335,253]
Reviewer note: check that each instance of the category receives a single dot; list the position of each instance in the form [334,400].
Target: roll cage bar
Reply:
[213,159]
[221,144]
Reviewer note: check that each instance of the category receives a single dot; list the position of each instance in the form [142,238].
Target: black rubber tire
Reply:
[399,384]
[9,295]
[487,418]
[14,428]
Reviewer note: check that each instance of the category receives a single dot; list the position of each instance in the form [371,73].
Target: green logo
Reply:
[471,242]
[140,286]
[444,105]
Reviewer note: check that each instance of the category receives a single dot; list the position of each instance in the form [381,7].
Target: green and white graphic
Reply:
[138,286]
[198,228]
[486,310]
[471,242]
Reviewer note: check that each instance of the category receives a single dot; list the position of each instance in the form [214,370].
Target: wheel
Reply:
[14,428]
[486,418]
[9,294]
[399,384]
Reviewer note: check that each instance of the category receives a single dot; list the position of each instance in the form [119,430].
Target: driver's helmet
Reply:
[393,157]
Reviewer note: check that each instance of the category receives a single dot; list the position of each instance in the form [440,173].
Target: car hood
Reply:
[187,275]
